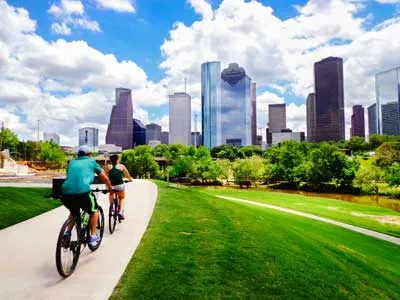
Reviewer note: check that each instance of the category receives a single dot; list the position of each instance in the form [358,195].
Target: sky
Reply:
[61,60]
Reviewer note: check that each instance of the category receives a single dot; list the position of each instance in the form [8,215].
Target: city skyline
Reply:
[63,71]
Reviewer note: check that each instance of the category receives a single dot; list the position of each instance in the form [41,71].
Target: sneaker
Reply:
[121,215]
[94,240]
[66,239]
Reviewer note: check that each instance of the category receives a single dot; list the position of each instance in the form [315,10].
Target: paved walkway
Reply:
[27,252]
[372,233]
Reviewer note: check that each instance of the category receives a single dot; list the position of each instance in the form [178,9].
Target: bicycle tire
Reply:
[99,228]
[74,247]
[112,215]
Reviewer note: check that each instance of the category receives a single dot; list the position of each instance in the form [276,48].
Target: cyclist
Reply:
[76,191]
[115,173]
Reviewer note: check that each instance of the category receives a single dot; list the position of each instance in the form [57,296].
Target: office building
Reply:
[120,128]
[165,137]
[196,139]
[139,133]
[275,138]
[254,138]
[277,117]
[357,122]
[236,107]
[372,119]
[211,104]
[89,136]
[180,119]
[387,101]
[329,100]
[51,137]
[153,133]
[310,103]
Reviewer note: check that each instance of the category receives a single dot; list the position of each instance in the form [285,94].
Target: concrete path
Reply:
[27,252]
[372,233]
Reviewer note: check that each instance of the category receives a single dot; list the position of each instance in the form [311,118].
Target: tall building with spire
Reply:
[254,114]
[180,119]
[120,128]
[329,100]
[310,103]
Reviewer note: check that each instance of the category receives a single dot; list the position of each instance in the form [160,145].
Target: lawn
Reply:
[371,217]
[20,204]
[200,247]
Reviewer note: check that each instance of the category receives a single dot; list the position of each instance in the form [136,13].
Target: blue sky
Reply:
[153,44]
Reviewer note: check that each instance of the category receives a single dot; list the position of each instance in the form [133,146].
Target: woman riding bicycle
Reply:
[116,172]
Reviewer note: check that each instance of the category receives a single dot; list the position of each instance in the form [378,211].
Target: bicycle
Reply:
[69,250]
[113,216]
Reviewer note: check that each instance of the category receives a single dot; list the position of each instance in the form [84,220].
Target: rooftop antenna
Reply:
[195,129]
[185,84]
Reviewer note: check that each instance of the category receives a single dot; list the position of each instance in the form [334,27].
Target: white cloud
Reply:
[69,13]
[202,7]
[126,6]
[60,28]
[388,1]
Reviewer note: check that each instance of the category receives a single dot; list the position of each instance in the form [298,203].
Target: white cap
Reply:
[84,149]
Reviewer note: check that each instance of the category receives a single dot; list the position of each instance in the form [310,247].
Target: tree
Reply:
[8,140]
[140,162]
[387,154]
[251,169]
[208,169]
[226,169]
[392,174]
[183,167]
[249,151]
[160,151]
[369,178]
[357,144]
[51,152]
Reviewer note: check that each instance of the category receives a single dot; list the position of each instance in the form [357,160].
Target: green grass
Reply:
[199,247]
[20,204]
[347,212]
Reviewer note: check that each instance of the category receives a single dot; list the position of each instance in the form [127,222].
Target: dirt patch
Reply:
[388,219]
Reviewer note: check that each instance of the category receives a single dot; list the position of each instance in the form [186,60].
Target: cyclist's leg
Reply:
[121,197]
[111,197]
[89,205]
[70,202]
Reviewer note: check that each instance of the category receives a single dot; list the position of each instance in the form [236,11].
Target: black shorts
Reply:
[86,201]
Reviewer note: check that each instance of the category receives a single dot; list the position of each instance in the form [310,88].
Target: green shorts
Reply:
[86,201]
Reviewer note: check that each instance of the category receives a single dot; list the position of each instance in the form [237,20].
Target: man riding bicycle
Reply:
[116,173]
[76,191]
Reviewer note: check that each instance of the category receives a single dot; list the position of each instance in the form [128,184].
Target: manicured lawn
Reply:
[199,247]
[20,204]
[371,217]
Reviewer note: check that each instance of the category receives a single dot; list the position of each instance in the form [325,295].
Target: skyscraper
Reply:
[372,119]
[236,107]
[139,133]
[89,136]
[196,139]
[211,103]
[387,101]
[357,121]
[51,137]
[120,128]
[180,120]
[153,133]
[254,139]
[311,117]
[165,137]
[329,100]
[277,117]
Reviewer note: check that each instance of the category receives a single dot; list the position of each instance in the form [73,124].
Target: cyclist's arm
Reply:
[126,173]
[105,179]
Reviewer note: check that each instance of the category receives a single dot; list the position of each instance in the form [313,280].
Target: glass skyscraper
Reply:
[254,114]
[153,133]
[372,119]
[89,136]
[387,102]
[236,107]
[311,117]
[329,100]
[139,133]
[357,122]
[211,104]
[120,128]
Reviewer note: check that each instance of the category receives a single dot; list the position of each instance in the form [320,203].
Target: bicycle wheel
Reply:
[112,215]
[99,229]
[68,249]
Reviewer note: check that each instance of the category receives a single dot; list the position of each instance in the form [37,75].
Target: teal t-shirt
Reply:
[80,175]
